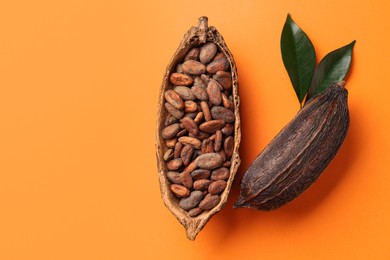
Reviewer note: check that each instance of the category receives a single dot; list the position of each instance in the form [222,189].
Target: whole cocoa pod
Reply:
[180,118]
[297,156]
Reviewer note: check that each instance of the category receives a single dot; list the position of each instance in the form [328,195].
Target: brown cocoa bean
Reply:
[217,187]
[170,131]
[227,164]
[184,92]
[186,179]
[217,65]
[209,161]
[212,126]
[181,79]
[174,99]
[191,167]
[207,146]
[199,82]
[209,202]
[173,177]
[223,155]
[200,174]
[186,154]
[191,141]
[190,125]
[190,107]
[177,150]
[193,67]
[200,93]
[207,52]
[180,191]
[202,184]
[168,154]
[170,120]
[205,78]
[220,174]
[178,68]
[214,92]
[191,201]
[226,101]
[170,143]
[194,212]
[192,54]
[182,132]
[218,112]
[228,146]
[198,118]
[218,56]
[206,110]
[218,141]
[228,129]
[174,164]
[173,111]
[224,79]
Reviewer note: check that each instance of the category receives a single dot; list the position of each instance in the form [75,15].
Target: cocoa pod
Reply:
[298,155]
[189,80]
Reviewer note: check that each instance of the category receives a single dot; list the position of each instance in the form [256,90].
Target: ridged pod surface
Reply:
[194,219]
[298,155]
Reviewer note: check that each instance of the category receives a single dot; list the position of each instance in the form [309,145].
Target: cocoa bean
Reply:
[190,107]
[198,118]
[174,177]
[186,154]
[184,92]
[218,56]
[218,141]
[168,154]
[186,179]
[170,131]
[206,110]
[205,78]
[191,141]
[174,99]
[190,125]
[181,79]
[209,161]
[214,92]
[173,111]
[170,143]
[226,101]
[199,82]
[174,164]
[217,65]
[200,174]
[182,132]
[180,191]
[170,120]
[212,126]
[224,79]
[192,54]
[220,174]
[217,187]
[207,146]
[218,112]
[207,52]
[177,150]
[194,212]
[191,201]
[209,202]
[228,146]
[193,67]
[228,129]
[202,184]
[200,93]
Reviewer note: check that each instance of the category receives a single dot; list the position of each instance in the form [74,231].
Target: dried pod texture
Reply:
[198,98]
[297,156]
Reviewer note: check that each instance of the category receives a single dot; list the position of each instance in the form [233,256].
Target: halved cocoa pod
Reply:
[194,211]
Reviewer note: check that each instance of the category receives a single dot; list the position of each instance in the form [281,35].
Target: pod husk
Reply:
[195,36]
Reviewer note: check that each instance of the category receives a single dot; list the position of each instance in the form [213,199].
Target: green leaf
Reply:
[332,68]
[298,56]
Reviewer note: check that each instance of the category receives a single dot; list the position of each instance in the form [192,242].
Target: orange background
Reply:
[79,83]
